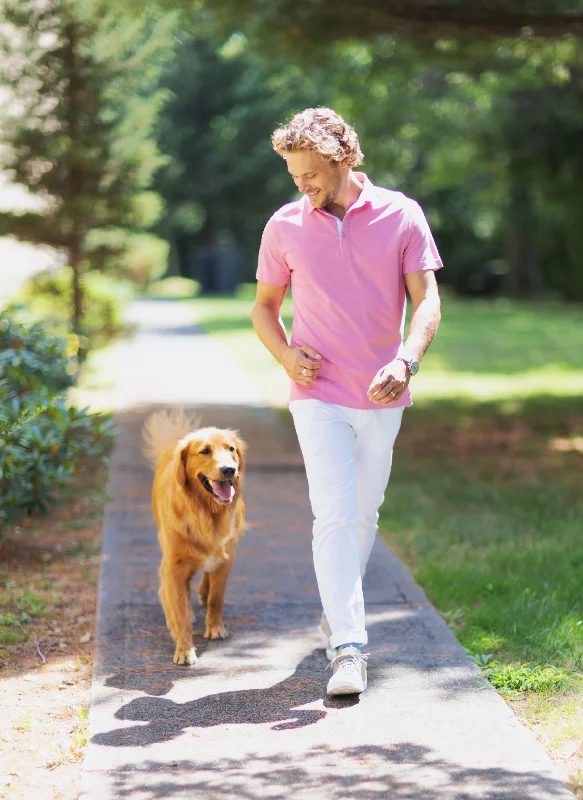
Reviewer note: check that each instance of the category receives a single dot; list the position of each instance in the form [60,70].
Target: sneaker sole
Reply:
[346,690]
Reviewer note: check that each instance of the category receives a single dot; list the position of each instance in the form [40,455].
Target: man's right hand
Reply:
[302,364]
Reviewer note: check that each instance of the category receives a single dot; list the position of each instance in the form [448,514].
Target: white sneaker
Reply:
[349,672]
[325,632]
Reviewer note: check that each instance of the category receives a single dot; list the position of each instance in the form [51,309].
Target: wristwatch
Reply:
[412,365]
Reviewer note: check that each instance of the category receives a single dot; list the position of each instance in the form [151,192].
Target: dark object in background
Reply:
[485,280]
[218,269]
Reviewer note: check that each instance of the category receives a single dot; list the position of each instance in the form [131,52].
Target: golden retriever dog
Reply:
[199,511]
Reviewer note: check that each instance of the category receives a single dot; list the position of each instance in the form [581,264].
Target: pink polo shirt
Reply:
[348,286]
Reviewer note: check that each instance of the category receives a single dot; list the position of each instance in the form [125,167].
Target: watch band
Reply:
[412,364]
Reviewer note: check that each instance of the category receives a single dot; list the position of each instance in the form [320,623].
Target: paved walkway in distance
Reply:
[252,720]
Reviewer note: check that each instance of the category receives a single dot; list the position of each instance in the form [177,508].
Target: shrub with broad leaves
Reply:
[42,438]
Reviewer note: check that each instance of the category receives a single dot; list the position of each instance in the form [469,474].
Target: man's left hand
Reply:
[389,383]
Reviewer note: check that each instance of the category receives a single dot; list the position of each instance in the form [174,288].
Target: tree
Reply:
[77,125]
[223,178]
[489,148]
[542,131]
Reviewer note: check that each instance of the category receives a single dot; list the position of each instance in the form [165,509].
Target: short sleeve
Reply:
[272,267]
[420,251]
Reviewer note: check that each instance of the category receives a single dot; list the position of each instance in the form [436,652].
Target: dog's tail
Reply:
[163,429]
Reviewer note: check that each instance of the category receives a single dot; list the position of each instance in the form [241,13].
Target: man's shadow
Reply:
[279,704]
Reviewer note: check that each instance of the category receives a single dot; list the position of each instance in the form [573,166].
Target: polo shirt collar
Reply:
[366,195]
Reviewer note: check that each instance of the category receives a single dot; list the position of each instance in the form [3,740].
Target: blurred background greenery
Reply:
[144,134]
[486,142]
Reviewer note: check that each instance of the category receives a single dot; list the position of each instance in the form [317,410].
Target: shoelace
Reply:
[351,660]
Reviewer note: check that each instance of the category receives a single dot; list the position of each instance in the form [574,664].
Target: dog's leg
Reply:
[203,589]
[216,598]
[175,598]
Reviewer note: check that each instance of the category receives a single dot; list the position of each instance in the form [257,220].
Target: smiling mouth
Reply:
[222,491]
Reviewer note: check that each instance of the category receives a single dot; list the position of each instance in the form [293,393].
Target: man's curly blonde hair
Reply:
[322,130]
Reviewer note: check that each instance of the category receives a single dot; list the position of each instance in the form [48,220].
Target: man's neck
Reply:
[347,196]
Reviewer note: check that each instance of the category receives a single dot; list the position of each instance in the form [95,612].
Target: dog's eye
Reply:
[232,449]
[205,452]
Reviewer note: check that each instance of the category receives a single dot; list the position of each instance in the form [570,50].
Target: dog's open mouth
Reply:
[222,491]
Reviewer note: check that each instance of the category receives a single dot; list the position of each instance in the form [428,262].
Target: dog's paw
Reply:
[216,631]
[185,657]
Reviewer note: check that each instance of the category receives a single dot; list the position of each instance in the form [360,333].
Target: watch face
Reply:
[413,367]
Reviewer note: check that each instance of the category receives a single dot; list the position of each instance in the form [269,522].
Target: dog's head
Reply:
[210,462]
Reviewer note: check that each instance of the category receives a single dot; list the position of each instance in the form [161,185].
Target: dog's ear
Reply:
[180,464]
[241,450]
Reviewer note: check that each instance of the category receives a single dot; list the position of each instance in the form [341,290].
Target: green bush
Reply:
[42,440]
[33,364]
[48,296]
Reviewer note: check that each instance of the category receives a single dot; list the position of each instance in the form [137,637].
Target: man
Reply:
[349,249]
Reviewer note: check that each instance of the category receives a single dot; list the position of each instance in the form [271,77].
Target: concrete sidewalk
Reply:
[251,720]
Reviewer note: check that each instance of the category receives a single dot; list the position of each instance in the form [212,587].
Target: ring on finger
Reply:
[304,371]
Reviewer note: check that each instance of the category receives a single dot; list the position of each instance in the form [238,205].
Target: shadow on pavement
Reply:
[404,771]
[275,704]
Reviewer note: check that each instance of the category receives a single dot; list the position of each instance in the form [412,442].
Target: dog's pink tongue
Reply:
[223,489]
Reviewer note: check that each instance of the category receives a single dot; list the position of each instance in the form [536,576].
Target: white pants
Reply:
[348,454]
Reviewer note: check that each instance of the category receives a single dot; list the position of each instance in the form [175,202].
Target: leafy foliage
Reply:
[48,295]
[524,678]
[41,439]
[32,364]
[521,678]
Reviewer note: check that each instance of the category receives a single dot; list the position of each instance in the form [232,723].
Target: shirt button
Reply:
[343,235]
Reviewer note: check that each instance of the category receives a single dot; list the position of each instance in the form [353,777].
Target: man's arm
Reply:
[267,320]
[391,381]
[425,316]
[300,363]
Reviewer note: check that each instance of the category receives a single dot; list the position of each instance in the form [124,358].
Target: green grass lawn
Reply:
[489,517]
[485,503]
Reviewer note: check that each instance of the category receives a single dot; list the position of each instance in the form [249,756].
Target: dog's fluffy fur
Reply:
[199,511]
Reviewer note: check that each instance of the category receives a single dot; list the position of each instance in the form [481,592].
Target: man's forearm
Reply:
[270,329]
[422,328]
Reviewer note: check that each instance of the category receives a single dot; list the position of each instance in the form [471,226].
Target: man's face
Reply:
[318,179]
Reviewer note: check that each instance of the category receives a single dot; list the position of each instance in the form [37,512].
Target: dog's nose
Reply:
[227,472]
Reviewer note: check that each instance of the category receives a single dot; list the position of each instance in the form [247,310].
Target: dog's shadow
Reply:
[279,704]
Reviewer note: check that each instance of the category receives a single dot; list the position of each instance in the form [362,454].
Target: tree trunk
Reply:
[525,278]
[74,253]
[72,189]
[206,258]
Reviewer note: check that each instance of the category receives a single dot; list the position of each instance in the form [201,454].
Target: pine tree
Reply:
[82,100]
